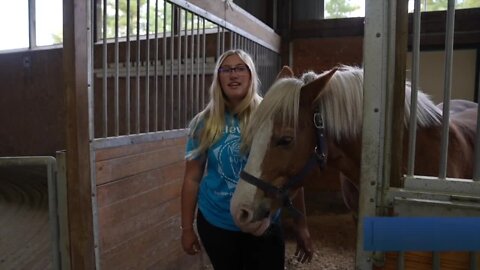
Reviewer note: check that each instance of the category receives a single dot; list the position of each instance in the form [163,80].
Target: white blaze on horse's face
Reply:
[243,202]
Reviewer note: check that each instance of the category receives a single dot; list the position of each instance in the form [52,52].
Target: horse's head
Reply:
[282,137]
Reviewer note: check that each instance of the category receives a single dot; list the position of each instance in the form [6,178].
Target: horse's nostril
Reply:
[245,215]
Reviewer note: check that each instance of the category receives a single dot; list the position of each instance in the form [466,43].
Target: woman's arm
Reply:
[193,174]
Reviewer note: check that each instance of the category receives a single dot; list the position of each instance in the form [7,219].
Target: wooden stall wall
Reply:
[32,96]
[138,200]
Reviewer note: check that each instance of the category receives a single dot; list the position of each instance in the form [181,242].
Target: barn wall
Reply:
[32,110]
[138,200]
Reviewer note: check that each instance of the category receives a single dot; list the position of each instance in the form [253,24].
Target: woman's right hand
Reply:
[190,242]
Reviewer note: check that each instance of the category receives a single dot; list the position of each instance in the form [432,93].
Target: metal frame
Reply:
[50,164]
[420,195]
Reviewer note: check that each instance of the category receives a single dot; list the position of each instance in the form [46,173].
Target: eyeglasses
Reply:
[238,69]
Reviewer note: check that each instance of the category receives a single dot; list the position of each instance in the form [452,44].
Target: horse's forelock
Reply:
[280,103]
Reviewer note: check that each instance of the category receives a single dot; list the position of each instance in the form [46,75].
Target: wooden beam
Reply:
[79,190]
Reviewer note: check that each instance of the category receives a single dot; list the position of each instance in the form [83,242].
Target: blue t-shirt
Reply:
[224,164]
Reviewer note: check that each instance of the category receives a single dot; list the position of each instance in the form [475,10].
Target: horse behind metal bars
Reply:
[317,120]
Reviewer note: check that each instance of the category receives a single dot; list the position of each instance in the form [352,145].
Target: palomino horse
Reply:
[285,144]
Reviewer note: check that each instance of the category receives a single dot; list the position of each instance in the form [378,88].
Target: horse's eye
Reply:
[284,141]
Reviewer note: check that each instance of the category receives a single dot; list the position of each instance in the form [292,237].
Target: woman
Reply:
[214,144]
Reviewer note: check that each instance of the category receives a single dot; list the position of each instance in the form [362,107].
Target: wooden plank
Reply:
[241,19]
[113,235]
[151,246]
[137,184]
[114,169]
[126,150]
[423,261]
[128,208]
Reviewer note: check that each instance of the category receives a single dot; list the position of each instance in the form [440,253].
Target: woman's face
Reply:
[234,77]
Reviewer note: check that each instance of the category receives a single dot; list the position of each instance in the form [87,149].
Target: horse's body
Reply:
[282,138]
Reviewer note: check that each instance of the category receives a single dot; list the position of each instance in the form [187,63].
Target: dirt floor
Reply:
[334,237]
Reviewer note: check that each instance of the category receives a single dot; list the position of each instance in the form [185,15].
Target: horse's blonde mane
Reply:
[341,104]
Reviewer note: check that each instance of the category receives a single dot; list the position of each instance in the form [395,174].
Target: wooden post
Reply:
[76,42]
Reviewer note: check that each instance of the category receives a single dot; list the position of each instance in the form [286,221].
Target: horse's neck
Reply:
[345,157]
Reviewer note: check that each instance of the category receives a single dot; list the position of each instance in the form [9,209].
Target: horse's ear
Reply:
[311,90]
[286,72]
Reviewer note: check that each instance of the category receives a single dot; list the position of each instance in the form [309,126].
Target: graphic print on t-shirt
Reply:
[230,162]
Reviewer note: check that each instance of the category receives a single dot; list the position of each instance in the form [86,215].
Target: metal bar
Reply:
[127,78]
[147,70]
[137,76]
[218,42]
[192,63]
[164,71]
[105,69]
[223,39]
[155,114]
[172,59]
[185,91]
[179,64]
[412,128]
[32,25]
[51,167]
[375,73]
[198,59]
[435,260]
[401,260]
[447,87]
[116,82]
[473,260]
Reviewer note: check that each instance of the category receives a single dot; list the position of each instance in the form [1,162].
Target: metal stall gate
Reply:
[409,195]
[150,65]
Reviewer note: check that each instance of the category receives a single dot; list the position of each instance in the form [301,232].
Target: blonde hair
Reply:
[208,125]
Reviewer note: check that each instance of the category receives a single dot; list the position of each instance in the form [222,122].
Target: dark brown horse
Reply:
[302,121]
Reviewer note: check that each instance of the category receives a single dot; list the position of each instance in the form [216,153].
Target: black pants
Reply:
[231,250]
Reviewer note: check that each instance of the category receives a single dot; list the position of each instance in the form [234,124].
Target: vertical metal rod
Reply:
[235,40]
[116,81]
[447,87]
[223,39]
[197,76]
[147,70]
[218,42]
[435,260]
[164,66]
[401,260]
[412,129]
[155,67]
[185,76]
[105,71]
[137,77]
[179,69]
[473,259]
[172,59]
[127,76]
[191,108]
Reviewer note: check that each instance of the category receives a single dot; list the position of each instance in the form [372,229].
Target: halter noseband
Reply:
[319,156]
